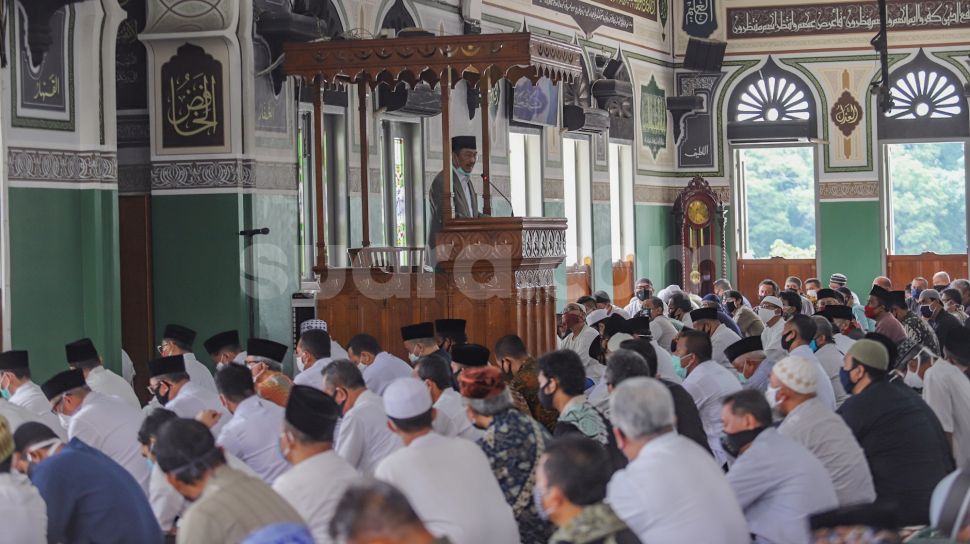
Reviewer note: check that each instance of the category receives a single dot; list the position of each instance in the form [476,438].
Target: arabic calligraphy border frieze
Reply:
[22,114]
[845,18]
[32,164]
[848,190]
[229,173]
[642,8]
[180,16]
[589,16]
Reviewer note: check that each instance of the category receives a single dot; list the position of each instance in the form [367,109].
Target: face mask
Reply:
[787,341]
[681,371]
[545,398]
[870,312]
[537,500]
[915,292]
[913,380]
[940,288]
[926,311]
[220,366]
[162,399]
[731,308]
[771,395]
[734,442]
[151,464]
[813,345]
[411,357]
[643,294]
[846,379]
[742,379]
[765,314]
[571,320]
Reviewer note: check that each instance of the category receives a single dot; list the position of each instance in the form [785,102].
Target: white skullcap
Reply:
[797,374]
[405,398]
[596,316]
[773,300]
[616,340]
[311,324]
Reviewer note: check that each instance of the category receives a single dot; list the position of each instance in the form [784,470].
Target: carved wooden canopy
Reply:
[427,58]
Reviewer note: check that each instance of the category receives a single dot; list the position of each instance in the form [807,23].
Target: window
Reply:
[777,200]
[928,198]
[621,201]
[771,105]
[525,172]
[403,188]
[928,103]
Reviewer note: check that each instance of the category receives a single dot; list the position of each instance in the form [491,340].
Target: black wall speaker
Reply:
[704,55]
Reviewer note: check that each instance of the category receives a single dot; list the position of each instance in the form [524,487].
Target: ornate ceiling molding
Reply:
[183,16]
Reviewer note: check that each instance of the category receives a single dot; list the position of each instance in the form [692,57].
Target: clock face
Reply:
[698,212]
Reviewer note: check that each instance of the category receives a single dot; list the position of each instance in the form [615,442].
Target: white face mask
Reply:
[220,366]
[771,395]
[913,380]
[413,358]
[299,363]
[765,314]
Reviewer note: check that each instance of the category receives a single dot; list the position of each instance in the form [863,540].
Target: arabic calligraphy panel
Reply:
[696,148]
[653,117]
[131,64]
[193,113]
[43,92]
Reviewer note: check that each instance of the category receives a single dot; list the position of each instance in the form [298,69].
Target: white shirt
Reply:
[313,376]
[316,503]
[103,381]
[720,340]
[947,391]
[633,308]
[23,511]
[823,384]
[599,397]
[337,351]
[831,359]
[30,397]
[127,368]
[110,424]
[450,406]
[580,343]
[663,331]
[253,435]
[673,491]
[843,341]
[771,340]
[18,415]
[385,369]
[665,363]
[779,484]
[450,484]
[192,399]
[199,373]
[364,439]
[707,384]
[168,504]
[825,434]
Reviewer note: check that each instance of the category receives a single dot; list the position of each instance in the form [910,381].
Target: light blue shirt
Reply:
[779,484]
[252,435]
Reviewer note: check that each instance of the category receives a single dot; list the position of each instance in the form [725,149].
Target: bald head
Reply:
[941,278]
[884,282]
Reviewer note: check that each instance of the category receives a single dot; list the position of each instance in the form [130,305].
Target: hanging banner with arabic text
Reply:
[699,18]
[589,17]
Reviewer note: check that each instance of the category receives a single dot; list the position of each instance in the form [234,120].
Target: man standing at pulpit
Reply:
[464,155]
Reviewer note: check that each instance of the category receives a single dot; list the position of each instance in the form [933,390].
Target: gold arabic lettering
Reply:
[47,89]
[192,105]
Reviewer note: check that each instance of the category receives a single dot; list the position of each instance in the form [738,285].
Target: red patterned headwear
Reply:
[483,382]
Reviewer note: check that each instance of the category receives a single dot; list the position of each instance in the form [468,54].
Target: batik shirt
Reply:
[525,393]
[513,444]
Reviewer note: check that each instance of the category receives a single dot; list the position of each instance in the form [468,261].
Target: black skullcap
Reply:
[470,354]
[701,314]
[260,347]
[614,324]
[463,142]
[179,333]
[638,325]
[838,311]
[80,351]
[448,327]
[826,293]
[883,295]
[312,412]
[63,382]
[220,341]
[898,299]
[958,343]
[420,330]
[161,366]
[743,346]
[13,360]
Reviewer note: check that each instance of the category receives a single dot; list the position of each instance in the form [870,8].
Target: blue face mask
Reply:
[846,380]
[813,345]
[150,463]
[5,393]
[681,371]
[537,501]
[742,379]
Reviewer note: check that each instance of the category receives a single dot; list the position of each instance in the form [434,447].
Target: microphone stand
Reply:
[499,191]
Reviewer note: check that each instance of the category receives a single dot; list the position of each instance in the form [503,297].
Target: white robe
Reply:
[253,434]
[30,397]
[106,382]
[316,503]
[111,425]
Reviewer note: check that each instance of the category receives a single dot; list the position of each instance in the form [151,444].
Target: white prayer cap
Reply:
[616,340]
[311,324]
[797,374]
[772,300]
[596,316]
[405,398]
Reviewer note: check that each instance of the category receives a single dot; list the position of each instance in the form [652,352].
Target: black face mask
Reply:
[644,294]
[731,308]
[163,399]
[786,342]
[545,399]
[734,442]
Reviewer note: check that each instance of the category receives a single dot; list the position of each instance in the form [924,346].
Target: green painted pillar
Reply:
[849,241]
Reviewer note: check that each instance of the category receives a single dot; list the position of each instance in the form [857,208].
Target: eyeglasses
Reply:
[56,405]
[162,346]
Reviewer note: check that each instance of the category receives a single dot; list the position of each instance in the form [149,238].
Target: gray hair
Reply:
[271,364]
[490,407]
[642,407]
[961,285]
[823,327]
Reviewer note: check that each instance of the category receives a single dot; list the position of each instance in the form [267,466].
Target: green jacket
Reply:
[597,524]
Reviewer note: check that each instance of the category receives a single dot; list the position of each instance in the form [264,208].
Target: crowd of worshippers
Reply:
[811,415]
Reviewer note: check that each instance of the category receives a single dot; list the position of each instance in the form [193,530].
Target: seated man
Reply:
[778,483]
[265,361]
[336,350]
[177,341]
[89,497]
[172,387]
[450,417]
[83,355]
[571,489]
[374,511]
[419,342]
[380,367]
[221,496]
[312,356]
[749,359]
[25,395]
[22,509]
[225,348]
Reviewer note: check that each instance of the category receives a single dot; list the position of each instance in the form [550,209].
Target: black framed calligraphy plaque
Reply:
[193,113]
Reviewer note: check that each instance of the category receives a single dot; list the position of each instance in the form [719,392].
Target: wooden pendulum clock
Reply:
[699,218]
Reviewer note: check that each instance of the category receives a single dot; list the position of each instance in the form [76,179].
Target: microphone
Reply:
[254,232]
[497,190]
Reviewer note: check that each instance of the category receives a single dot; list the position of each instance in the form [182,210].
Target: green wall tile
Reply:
[849,241]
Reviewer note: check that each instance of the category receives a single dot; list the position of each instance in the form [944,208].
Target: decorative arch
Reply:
[579,113]
[772,104]
[928,102]
[398,16]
